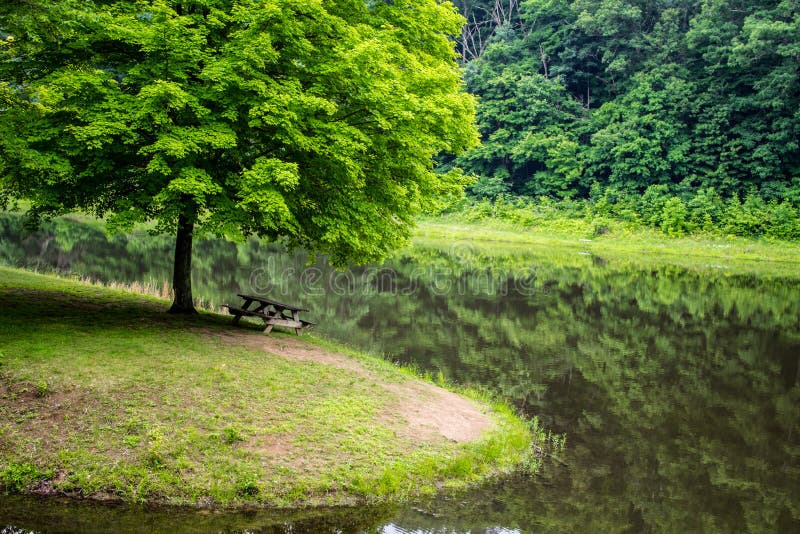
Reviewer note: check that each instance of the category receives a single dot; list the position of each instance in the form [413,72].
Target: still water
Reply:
[676,381]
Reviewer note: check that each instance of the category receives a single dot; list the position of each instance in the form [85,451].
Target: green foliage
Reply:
[131,441]
[545,444]
[231,435]
[17,477]
[247,486]
[491,186]
[673,217]
[316,122]
[524,148]
[652,203]
[41,388]
[704,211]
[581,95]
[706,208]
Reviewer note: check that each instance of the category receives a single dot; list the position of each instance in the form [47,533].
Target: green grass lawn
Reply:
[103,394]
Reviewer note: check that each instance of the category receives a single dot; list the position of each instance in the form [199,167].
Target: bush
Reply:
[783,221]
[706,209]
[674,217]
[744,219]
[657,208]
[651,205]
[492,186]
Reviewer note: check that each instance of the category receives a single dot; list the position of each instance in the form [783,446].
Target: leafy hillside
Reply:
[689,99]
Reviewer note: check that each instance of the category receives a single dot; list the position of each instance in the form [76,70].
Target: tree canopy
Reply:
[581,96]
[312,121]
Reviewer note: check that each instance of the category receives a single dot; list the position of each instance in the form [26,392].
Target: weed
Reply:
[131,441]
[247,486]
[231,435]
[544,444]
[134,426]
[155,456]
[25,417]
[557,442]
[17,477]
[391,479]
[297,492]
[441,380]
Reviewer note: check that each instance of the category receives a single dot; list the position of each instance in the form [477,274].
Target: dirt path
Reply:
[419,411]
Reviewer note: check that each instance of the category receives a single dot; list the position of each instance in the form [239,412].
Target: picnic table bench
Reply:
[271,312]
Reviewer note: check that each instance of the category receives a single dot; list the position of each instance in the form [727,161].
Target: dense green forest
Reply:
[679,115]
[682,115]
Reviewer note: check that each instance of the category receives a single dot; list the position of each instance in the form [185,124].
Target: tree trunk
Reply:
[182,273]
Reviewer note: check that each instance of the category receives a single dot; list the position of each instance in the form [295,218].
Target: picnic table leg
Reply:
[269,313]
[237,317]
[296,317]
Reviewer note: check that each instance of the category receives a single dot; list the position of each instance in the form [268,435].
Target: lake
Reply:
[675,380]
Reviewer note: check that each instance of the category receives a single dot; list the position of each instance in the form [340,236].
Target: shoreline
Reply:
[118,401]
[616,244]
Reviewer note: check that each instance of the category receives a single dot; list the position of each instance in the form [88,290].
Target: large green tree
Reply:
[314,121]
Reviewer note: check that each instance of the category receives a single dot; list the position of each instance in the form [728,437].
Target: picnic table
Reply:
[271,312]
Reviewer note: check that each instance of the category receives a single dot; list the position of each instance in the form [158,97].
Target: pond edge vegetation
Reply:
[516,223]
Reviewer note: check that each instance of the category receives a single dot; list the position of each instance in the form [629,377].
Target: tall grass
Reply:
[153,288]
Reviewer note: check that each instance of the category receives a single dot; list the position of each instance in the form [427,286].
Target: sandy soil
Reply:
[420,411]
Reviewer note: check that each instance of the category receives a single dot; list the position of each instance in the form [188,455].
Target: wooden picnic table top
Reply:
[269,302]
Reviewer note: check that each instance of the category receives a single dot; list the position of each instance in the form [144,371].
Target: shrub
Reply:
[657,207]
[651,205]
[706,209]
[491,186]
[744,219]
[673,217]
[783,221]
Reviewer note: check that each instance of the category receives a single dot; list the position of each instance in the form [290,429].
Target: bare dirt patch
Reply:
[49,416]
[431,412]
[419,412]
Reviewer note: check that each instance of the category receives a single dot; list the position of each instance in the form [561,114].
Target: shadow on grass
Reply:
[31,308]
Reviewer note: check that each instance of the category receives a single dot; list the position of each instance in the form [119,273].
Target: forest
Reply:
[681,115]
[678,115]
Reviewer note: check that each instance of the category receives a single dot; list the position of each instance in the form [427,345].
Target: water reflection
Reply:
[54,515]
[678,386]
[25,514]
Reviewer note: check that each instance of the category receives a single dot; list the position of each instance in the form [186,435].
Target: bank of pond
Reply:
[676,380]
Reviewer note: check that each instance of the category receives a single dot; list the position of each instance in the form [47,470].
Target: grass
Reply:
[104,395]
[615,240]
